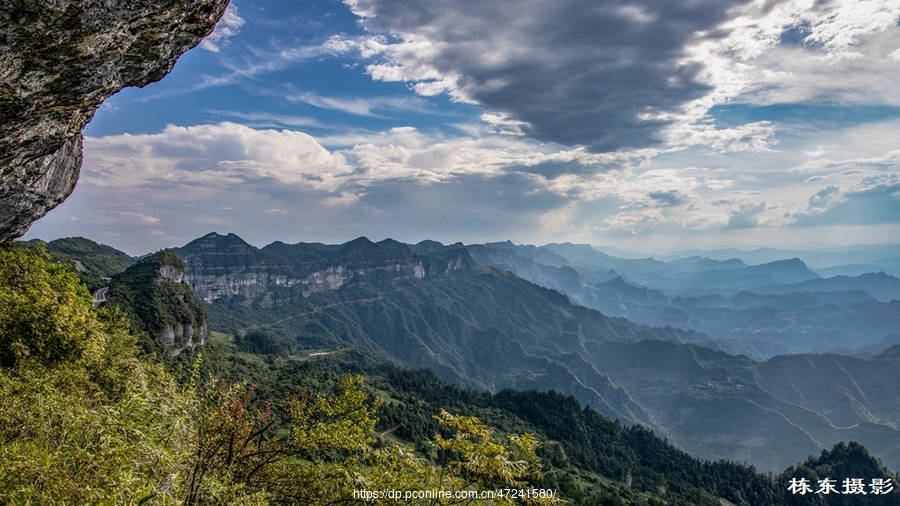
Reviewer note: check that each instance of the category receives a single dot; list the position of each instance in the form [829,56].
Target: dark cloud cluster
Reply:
[577,72]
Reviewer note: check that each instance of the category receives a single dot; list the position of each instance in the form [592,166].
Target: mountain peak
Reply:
[216,240]
[364,250]
[507,244]
[792,270]
[619,281]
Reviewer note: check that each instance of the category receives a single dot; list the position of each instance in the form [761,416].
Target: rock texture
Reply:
[225,268]
[59,60]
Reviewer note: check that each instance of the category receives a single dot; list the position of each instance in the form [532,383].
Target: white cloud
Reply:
[746,216]
[211,156]
[757,136]
[227,27]
[840,53]
[363,106]
[873,200]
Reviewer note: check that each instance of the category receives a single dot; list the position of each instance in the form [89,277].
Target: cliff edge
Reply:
[59,60]
[160,305]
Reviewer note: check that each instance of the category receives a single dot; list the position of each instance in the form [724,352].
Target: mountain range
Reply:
[434,306]
[760,311]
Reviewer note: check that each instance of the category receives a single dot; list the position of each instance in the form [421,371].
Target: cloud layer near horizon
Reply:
[646,123]
[178,184]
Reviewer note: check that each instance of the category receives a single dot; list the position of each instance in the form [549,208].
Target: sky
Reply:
[647,124]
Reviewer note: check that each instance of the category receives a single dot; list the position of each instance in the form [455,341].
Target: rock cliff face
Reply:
[226,268]
[255,282]
[59,60]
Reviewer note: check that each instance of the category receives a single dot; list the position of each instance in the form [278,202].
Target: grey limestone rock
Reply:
[59,60]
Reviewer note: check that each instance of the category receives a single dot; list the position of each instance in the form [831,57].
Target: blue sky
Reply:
[638,124]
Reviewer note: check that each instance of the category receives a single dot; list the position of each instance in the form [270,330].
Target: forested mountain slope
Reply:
[487,328]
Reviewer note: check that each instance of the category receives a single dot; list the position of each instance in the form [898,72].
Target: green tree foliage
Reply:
[331,452]
[474,460]
[46,315]
[83,421]
[232,449]
[96,258]
[97,262]
[261,343]
[331,444]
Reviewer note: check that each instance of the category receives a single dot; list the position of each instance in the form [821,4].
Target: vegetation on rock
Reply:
[151,293]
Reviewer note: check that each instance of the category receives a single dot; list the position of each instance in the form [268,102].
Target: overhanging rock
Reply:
[59,60]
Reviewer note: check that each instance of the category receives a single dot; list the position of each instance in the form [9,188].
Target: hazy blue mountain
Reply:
[757,325]
[792,270]
[700,263]
[754,349]
[722,406]
[693,275]
[596,266]
[539,254]
[867,351]
[849,270]
[881,286]
[816,259]
[891,265]
[563,279]
[725,281]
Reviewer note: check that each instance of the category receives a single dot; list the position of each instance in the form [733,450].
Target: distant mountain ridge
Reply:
[94,263]
[759,412]
[723,299]
[816,259]
[879,285]
[481,327]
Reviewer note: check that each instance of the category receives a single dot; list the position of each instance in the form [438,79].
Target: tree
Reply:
[46,314]
[83,420]
[474,460]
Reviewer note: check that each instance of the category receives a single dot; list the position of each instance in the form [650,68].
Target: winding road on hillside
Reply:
[100,295]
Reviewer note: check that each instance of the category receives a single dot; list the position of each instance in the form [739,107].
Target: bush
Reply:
[83,420]
[46,315]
